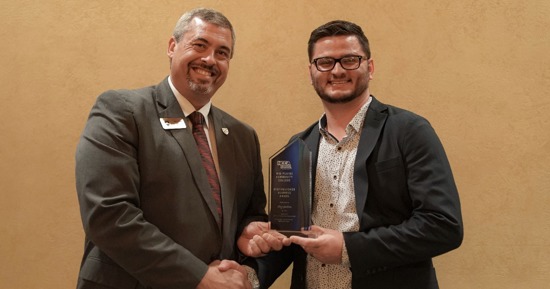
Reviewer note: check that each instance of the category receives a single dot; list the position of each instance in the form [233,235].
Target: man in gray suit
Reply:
[148,209]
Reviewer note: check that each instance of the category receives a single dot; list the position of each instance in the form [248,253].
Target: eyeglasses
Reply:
[324,64]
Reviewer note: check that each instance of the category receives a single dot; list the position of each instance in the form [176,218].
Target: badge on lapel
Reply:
[172,123]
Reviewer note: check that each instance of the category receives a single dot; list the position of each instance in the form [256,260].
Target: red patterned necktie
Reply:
[197,119]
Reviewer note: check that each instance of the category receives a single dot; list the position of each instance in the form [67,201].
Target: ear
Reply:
[171,47]
[310,74]
[370,72]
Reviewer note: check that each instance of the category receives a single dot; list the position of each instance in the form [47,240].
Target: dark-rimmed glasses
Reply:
[350,62]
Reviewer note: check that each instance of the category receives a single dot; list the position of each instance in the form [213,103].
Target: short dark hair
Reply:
[208,15]
[337,28]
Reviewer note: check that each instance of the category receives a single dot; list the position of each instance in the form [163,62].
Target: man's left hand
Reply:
[326,247]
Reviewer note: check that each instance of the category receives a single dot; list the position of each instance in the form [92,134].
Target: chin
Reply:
[202,88]
[342,98]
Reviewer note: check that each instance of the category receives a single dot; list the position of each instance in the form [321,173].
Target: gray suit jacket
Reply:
[148,213]
[406,201]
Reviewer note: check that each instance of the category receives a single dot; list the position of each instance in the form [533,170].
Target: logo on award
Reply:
[284,165]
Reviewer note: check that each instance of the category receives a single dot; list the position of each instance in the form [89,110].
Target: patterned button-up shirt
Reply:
[334,199]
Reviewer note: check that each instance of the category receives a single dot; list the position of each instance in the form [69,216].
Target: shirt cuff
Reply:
[345,256]
[252,277]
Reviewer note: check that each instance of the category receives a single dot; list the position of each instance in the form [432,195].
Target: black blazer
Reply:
[406,201]
[148,213]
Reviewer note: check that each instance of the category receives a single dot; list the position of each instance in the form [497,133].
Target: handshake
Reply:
[257,240]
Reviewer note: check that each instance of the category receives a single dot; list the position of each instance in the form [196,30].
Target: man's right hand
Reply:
[233,278]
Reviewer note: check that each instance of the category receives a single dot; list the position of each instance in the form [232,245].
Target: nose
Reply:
[209,56]
[338,69]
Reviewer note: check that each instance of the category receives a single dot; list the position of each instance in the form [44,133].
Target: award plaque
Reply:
[290,189]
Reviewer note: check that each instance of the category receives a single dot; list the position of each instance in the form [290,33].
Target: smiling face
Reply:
[339,85]
[199,62]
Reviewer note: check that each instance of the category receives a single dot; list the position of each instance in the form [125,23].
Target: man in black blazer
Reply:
[148,211]
[384,200]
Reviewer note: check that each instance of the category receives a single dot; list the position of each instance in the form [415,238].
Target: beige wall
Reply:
[478,70]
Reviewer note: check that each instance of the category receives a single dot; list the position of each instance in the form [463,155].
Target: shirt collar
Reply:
[187,107]
[355,124]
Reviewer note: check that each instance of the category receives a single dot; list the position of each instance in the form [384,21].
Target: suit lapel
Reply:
[372,127]
[311,137]
[228,180]
[168,107]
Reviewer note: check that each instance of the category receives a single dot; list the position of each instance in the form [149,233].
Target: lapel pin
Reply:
[225,130]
